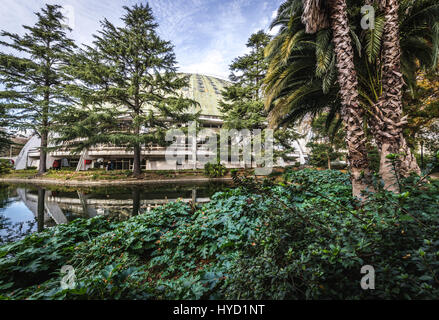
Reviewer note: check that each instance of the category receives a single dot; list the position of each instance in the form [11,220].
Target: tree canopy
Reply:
[33,74]
[133,71]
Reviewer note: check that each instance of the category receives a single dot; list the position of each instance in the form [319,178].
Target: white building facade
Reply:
[206,90]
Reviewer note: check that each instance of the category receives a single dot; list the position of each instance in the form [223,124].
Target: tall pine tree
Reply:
[5,140]
[243,104]
[33,76]
[133,71]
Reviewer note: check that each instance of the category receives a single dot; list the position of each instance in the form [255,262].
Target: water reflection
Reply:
[15,221]
[41,208]
[136,201]
[26,209]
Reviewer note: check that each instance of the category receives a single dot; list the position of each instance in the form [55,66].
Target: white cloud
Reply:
[212,64]
[207,34]
[224,41]
[273,31]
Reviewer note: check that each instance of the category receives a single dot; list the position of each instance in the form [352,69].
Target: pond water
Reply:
[25,209]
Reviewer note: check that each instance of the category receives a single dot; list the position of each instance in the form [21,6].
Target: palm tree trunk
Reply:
[409,164]
[314,16]
[388,122]
[352,112]
[136,201]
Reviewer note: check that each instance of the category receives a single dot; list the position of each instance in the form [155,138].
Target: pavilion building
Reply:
[206,90]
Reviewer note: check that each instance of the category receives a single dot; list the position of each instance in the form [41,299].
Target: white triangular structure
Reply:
[22,159]
[81,163]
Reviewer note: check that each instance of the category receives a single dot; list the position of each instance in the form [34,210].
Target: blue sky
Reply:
[207,34]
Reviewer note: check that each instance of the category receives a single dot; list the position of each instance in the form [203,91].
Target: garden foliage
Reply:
[214,170]
[303,238]
[5,166]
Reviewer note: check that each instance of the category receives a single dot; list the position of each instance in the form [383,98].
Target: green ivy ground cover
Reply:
[305,238]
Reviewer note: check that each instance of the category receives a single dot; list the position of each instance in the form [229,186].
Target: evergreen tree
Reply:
[243,104]
[33,76]
[242,101]
[80,127]
[5,140]
[132,71]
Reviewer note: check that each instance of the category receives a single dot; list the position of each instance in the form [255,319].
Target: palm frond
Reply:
[374,38]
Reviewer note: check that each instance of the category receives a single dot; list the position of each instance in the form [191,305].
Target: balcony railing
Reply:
[102,149]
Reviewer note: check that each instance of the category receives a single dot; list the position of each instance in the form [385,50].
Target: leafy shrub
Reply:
[5,166]
[214,170]
[32,260]
[315,249]
[305,238]
[374,158]
[170,252]
[429,159]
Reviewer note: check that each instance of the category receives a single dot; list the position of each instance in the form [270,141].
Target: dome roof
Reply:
[206,90]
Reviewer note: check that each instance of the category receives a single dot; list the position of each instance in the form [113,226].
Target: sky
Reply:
[207,34]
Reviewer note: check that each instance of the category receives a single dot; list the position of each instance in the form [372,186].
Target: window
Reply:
[122,164]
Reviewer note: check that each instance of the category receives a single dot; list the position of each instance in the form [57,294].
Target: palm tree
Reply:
[351,111]
[315,17]
[405,39]
[301,82]
[388,120]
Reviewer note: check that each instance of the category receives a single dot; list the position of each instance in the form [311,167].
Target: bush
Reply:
[171,252]
[315,239]
[214,170]
[305,238]
[34,259]
[5,166]
[430,162]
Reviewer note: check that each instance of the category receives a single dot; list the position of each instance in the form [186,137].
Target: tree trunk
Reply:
[314,16]
[40,209]
[409,164]
[329,161]
[43,153]
[387,170]
[45,116]
[388,121]
[137,153]
[136,201]
[352,112]
[137,148]
[136,163]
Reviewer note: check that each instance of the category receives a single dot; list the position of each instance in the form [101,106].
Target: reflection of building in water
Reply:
[52,213]
[63,207]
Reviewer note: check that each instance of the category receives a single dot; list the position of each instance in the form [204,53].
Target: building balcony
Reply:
[122,151]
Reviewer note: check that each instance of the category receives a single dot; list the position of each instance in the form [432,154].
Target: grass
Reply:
[23,174]
[101,174]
